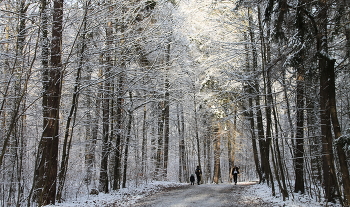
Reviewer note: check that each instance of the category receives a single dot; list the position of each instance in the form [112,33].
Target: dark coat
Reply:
[235,170]
[192,179]
[198,172]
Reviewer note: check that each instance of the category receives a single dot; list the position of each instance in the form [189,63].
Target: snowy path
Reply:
[209,195]
[173,194]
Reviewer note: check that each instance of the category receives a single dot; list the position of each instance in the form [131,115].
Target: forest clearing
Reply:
[98,97]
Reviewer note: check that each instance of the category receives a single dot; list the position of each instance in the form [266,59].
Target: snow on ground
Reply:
[131,195]
[122,197]
[294,200]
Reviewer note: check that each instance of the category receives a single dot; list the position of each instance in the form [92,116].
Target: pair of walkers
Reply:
[198,172]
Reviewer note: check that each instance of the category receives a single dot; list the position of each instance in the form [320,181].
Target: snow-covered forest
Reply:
[99,95]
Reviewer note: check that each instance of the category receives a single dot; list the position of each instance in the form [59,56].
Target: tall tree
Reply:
[344,166]
[249,90]
[324,64]
[265,142]
[68,133]
[107,90]
[299,140]
[231,142]
[166,109]
[47,156]
[217,152]
[91,127]
[183,174]
[127,140]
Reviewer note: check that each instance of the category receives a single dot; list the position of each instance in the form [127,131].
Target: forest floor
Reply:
[173,194]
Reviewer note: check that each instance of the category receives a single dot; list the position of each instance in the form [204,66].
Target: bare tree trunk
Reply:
[166,110]
[160,143]
[254,143]
[92,123]
[46,169]
[314,141]
[67,142]
[91,137]
[264,142]
[104,181]
[207,150]
[196,128]
[20,104]
[144,141]
[127,143]
[217,153]
[17,73]
[183,174]
[344,165]
[329,174]
[300,104]
[279,163]
[299,141]
[231,144]
[119,135]
[252,89]
[337,133]
[144,62]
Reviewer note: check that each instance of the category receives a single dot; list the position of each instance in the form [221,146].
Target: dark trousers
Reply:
[235,177]
[198,179]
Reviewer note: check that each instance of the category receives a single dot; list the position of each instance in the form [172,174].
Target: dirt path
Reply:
[207,195]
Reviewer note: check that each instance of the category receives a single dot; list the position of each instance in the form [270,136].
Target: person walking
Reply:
[235,172]
[198,174]
[192,179]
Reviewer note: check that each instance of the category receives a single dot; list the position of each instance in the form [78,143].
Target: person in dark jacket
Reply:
[198,174]
[235,172]
[192,179]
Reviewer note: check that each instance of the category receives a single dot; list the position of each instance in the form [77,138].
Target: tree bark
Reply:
[183,174]
[300,100]
[250,91]
[127,143]
[231,144]
[160,143]
[299,142]
[217,153]
[344,170]
[119,135]
[166,110]
[279,160]
[196,129]
[329,174]
[67,142]
[144,141]
[104,181]
[46,169]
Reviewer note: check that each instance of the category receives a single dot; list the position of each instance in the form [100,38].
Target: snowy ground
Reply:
[172,194]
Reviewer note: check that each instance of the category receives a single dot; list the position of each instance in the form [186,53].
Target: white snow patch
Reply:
[263,192]
[121,197]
